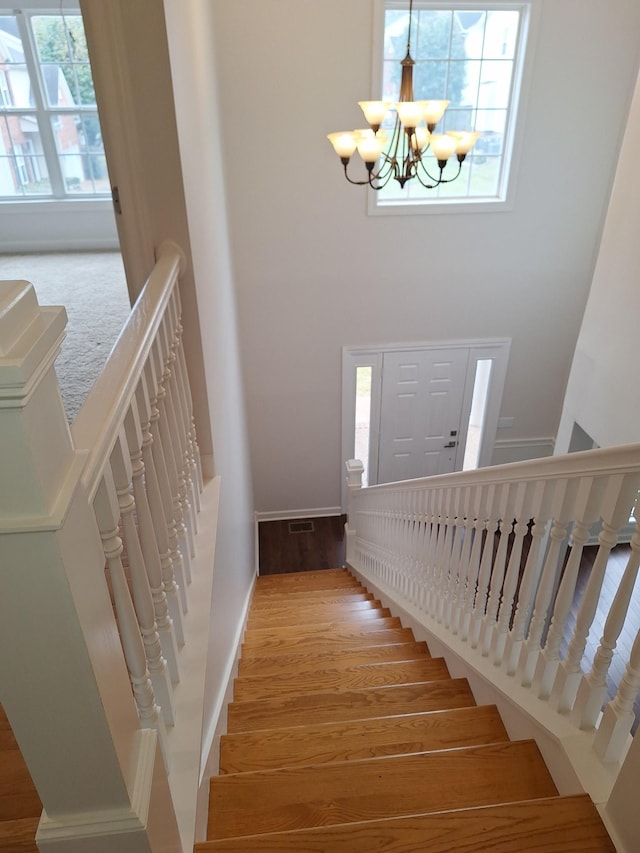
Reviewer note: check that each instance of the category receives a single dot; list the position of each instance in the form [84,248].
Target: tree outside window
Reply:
[50,139]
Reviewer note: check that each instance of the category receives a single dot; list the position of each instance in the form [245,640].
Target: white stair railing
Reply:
[492,557]
[115,499]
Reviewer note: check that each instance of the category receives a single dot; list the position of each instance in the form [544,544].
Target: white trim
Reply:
[290,514]
[218,716]
[185,739]
[74,830]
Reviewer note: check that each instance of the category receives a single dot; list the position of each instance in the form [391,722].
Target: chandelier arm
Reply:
[351,181]
[437,181]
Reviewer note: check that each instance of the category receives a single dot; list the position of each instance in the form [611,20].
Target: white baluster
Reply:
[176,433]
[180,552]
[141,592]
[185,410]
[619,496]
[107,512]
[481,529]
[549,659]
[613,732]
[146,493]
[465,524]
[181,425]
[522,511]
[171,558]
[526,596]
[455,553]
[479,607]
[531,647]
[593,687]
[193,441]
[497,573]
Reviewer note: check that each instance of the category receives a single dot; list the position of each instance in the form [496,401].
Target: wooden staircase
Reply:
[346,735]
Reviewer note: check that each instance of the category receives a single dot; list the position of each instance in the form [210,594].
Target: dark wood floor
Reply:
[301,545]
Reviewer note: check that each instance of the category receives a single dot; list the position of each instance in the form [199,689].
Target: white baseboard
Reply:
[288,514]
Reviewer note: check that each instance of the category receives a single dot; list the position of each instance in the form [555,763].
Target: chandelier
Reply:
[402,155]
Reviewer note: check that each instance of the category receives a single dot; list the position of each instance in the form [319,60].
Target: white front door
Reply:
[420,412]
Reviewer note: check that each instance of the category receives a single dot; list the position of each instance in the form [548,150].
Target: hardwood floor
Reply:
[301,545]
[20,806]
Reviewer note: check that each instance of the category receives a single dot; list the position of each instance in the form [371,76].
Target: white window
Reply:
[50,139]
[470,54]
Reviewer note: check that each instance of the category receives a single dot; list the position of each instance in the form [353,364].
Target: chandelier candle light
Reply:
[403,156]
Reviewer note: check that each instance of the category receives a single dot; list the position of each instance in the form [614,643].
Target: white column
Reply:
[63,680]
[355,469]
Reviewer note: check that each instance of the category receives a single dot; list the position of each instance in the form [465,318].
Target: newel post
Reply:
[63,680]
[355,469]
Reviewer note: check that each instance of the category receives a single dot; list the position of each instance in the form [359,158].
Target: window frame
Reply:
[59,193]
[504,200]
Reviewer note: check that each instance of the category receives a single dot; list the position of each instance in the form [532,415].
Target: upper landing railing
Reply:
[491,557]
[94,519]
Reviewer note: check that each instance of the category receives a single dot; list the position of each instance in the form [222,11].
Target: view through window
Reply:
[470,55]
[50,139]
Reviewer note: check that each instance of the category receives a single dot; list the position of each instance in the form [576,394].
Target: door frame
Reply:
[496,349]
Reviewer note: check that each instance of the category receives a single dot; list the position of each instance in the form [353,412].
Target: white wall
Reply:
[602,394]
[56,226]
[314,272]
[190,33]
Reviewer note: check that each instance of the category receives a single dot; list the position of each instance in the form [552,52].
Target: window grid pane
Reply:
[48,122]
[467,56]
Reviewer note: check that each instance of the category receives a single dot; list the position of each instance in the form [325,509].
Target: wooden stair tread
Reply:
[268,603]
[327,635]
[555,825]
[347,740]
[335,658]
[312,625]
[364,675]
[373,621]
[321,579]
[325,794]
[19,836]
[285,616]
[349,704]
[277,595]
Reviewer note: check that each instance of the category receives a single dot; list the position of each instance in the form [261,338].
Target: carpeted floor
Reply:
[92,288]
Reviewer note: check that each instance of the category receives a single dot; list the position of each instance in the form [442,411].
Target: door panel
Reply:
[421,406]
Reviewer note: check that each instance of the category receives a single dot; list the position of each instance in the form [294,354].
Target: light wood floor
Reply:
[20,806]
